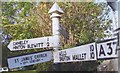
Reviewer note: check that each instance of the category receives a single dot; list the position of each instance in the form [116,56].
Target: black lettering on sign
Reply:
[16,60]
[20,42]
[118,41]
[48,44]
[26,58]
[40,44]
[40,55]
[102,51]
[63,56]
[35,60]
[25,62]
[110,48]
[115,43]
[92,55]
[36,45]
[19,46]
[79,56]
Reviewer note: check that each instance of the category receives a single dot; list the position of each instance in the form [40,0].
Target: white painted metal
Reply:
[119,36]
[106,50]
[30,59]
[54,8]
[1,55]
[119,19]
[1,31]
[56,11]
[42,42]
[81,53]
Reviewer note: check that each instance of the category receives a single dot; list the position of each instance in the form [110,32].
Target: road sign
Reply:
[80,53]
[30,59]
[64,32]
[42,42]
[107,49]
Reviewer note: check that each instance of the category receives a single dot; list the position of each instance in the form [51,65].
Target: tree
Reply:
[85,22]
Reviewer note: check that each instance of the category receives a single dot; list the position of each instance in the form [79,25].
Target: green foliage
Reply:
[15,12]
[81,20]
[85,22]
[19,31]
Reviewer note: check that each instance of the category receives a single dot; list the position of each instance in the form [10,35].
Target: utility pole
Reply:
[56,12]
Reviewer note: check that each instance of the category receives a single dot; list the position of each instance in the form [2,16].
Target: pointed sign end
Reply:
[10,47]
[56,8]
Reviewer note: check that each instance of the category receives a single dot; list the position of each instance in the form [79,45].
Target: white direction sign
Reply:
[107,49]
[30,59]
[41,42]
[80,53]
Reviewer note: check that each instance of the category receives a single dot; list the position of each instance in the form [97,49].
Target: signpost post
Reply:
[56,11]
[0,54]
[119,36]
[1,31]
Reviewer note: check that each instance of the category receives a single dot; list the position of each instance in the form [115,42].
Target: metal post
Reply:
[0,52]
[118,8]
[56,12]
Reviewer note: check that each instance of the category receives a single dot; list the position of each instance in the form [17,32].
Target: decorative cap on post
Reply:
[56,9]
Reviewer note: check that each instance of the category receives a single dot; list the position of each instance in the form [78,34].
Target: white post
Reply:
[0,52]
[56,12]
[55,29]
[118,8]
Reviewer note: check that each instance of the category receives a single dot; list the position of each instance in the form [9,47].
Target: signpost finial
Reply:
[56,8]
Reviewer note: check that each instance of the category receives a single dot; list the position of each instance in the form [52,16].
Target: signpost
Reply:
[42,42]
[107,49]
[56,12]
[88,52]
[30,59]
[80,53]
